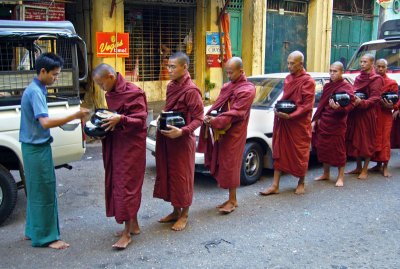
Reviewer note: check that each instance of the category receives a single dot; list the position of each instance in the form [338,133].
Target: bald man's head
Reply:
[381,66]
[336,71]
[234,68]
[367,63]
[105,76]
[338,65]
[295,62]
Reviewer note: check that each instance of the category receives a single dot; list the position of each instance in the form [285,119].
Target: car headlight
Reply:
[152,132]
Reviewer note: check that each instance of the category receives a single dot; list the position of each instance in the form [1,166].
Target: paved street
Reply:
[357,226]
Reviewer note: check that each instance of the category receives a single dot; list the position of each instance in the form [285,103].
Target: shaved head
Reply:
[381,67]
[104,69]
[381,61]
[339,65]
[297,55]
[181,58]
[367,62]
[369,57]
[295,62]
[235,62]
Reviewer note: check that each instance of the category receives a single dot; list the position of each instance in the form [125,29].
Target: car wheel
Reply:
[252,163]
[8,193]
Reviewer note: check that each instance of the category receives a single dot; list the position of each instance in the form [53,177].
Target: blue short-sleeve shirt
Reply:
[33,107]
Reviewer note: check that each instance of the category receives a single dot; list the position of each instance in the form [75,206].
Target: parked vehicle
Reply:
[258,149]
[20,43]
[387,47]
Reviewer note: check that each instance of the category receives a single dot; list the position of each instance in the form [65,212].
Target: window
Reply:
[355,7]
[155,32]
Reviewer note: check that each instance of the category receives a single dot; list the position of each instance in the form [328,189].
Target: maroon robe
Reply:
[224,157]
[124,151]
[175,157]
[395,133]
[384,124]
[291,138]
[361,122]
[330,127]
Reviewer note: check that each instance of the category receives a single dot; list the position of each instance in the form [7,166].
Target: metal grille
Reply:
[235,5]
[155,32]
[354,7]
[287,6]
[17,67]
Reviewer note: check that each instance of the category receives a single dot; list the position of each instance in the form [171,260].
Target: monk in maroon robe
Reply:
[361,122]
[395,133]
[329,124]
[385,121]
[124,150]
[176,147]
[292,132]
[224,148]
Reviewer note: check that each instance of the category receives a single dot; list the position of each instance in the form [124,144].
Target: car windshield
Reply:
[268,90]
[388,50]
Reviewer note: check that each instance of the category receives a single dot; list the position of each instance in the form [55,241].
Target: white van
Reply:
[20,44]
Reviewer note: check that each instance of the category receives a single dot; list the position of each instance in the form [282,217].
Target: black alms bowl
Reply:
[342,98]
[170,118]
[361,95]
[390,96]
[285,106]
[94,131]
[100,115]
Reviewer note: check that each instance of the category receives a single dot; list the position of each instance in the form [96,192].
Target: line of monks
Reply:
[361,130]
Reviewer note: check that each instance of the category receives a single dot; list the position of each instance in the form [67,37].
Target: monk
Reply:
[329,124]
[385,121]
[292,132]
[124,150]
[42,224]
[224,148]
[175,148]
[362,121]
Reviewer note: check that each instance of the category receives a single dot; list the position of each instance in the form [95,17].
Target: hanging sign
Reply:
[111,44]
[213,49]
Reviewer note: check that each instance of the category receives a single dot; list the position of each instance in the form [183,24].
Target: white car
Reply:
[258,150]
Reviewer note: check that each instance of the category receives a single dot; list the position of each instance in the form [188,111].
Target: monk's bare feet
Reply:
[134,229]
[376,168]
[354,172]
[59,245]
[323,177]
[229,207]
[224,203]
[174,216]
[386,172]
[339,182]
[300,189]
[180,224]
[271,190]
[123,242]
[363,175]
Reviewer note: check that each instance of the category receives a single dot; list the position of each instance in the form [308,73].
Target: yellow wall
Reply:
[319,35]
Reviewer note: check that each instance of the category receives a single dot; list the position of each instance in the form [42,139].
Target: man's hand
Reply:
[395,114]
[282,115]
[173,132]
[313,126]
[207,120]
[357,100]
[110,123]
[334,105]
[386,103]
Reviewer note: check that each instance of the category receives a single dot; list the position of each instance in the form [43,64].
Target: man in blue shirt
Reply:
[42,225]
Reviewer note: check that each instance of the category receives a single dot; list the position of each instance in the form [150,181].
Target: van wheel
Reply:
[252,163]
[8,193]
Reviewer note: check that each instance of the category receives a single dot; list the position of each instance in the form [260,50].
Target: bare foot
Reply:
[58,245]
[300,189]
[323,177]
[174,216]
[354,172]
[386,172]
[339,182]
[123,242]
[180,224]
[224,203]
[229,207]
[132,232]
[269,191]
[363,175]
[27,238]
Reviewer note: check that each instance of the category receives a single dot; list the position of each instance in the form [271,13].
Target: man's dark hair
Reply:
[49,61]
[181,57]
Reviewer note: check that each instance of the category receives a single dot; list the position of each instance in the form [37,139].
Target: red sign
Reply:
[37,12]
[111,44]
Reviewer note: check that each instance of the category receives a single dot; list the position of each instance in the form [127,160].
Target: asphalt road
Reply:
[357,226]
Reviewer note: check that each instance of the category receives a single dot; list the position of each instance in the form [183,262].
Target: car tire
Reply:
[252,163]
[8,194]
